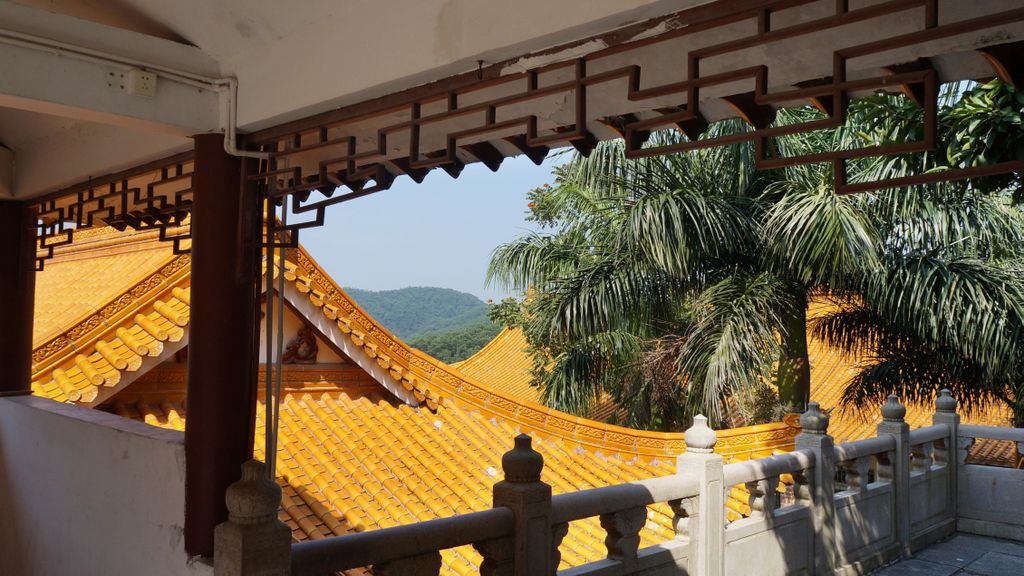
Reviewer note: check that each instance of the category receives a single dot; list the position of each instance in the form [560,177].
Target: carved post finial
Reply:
[892,410]
[814,421]
[705,523]
[817,485]
[253,540]
[535,540]
[254,498]
[945,402]
[522,463]
[700,438]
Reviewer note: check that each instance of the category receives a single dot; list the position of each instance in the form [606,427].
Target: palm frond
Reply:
[732,341]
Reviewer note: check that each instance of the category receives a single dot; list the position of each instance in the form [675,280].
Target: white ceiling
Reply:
[291,59]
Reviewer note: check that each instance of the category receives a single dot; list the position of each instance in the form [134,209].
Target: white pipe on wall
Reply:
[226,88]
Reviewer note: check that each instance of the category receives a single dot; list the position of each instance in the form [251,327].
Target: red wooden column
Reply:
[17,296]
[222,356]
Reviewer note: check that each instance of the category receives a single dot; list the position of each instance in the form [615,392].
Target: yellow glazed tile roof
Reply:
[504,364]
[93,355]
[352,463]
[134,327]
[831,371]
[432,382]
[87,274]
[352,459]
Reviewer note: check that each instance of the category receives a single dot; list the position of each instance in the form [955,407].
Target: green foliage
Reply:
[508,312]
[673,282]
[987,127]
[458,344]
[416,311]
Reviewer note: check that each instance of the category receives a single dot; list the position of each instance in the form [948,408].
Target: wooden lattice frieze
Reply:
[154,196]
[681,78]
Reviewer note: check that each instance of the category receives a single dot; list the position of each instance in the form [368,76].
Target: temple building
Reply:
[373,433]
[178,123]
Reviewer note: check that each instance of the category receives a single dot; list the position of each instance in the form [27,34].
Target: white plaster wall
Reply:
[86,493]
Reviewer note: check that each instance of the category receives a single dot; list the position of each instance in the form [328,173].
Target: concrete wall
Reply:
[84,492]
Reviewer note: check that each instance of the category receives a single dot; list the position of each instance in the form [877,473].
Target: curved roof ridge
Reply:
[434,381]
[488,349]
[85,363]
[503,363]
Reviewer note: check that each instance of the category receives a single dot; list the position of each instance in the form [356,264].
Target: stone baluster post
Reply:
[253,542]
[530,502]
[945,413]
[893,424]
[622,539]
[707,526]
[814,437]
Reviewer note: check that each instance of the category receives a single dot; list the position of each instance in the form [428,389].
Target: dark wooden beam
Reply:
[585,145]
[824,104]
[916,92]
[222,368]
[417,174]
[486,153]
[17,296]
[536,154]
[757,115]
[1008,62]
[454,168]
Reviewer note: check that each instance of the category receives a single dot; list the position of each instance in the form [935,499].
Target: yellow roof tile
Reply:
[351,458]
[83,276]
[831,371]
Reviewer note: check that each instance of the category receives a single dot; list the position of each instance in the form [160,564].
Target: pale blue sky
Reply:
[438,233]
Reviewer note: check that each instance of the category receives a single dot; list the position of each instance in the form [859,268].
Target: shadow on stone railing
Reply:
[850,508]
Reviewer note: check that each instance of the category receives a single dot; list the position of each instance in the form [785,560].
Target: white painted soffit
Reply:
[290,62]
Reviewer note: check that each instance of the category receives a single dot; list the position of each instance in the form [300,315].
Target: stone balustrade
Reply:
[821,509]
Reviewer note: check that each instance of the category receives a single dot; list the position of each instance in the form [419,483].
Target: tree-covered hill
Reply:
[459,343]
[445,323]
[416,311]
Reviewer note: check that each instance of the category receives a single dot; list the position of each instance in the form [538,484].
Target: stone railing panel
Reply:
[988,497]
[932,514]
[780,538]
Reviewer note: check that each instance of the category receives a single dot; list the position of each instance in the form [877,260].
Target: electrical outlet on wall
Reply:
[140,83]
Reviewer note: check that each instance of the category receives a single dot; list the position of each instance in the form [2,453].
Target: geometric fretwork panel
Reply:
[156,195]
[679,72]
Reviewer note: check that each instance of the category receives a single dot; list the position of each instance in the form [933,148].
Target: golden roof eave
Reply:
[434,382]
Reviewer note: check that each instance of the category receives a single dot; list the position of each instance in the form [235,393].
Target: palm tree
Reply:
[680,283]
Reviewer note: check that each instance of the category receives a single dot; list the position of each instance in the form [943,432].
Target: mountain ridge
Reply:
[447,324]
[416,311]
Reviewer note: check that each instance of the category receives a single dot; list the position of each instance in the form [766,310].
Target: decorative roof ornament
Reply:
[522,464]
[945,402]
[892,410]
[303,349]
[814,421]
[700,438]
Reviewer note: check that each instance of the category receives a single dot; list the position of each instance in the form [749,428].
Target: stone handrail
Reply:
[992,432]
[609,499]
[770,466]
[317,557]
[863,448]
[930,434]
[854,506]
